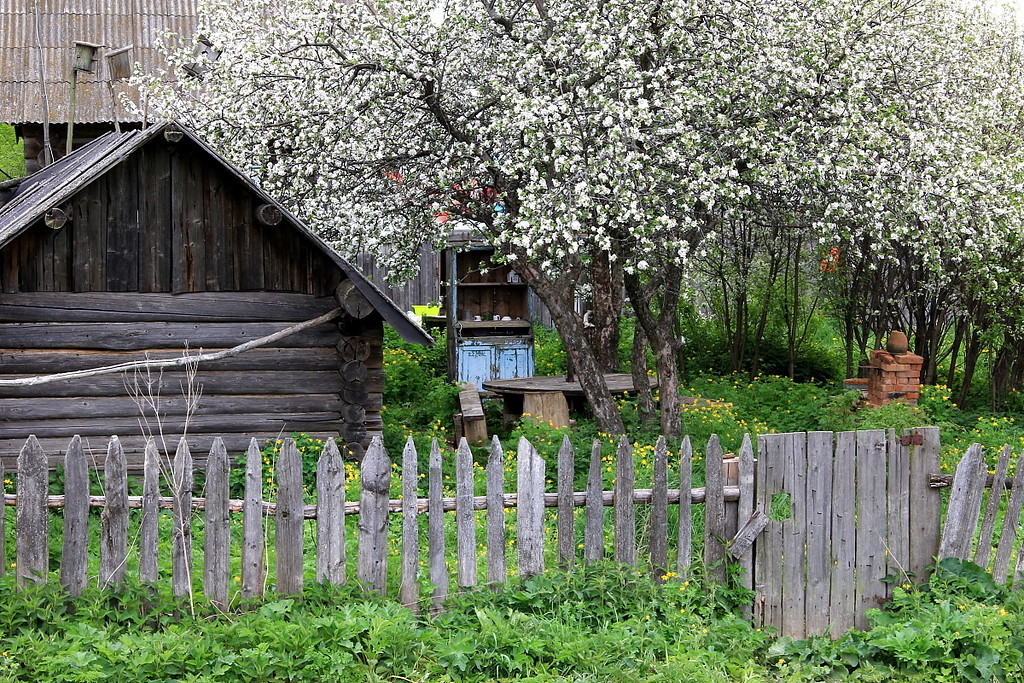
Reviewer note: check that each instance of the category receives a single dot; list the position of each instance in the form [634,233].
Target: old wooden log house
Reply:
[149,245]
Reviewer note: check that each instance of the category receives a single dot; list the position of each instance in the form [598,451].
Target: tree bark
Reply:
[641,382]
[605,310]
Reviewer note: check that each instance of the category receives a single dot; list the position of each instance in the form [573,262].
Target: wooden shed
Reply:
[148,244]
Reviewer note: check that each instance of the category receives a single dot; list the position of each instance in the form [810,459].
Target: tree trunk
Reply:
[642,384]
[559,296]
[605,310]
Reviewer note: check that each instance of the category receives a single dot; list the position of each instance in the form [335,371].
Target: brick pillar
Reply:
[893,377]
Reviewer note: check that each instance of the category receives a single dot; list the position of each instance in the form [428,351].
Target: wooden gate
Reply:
[846,511]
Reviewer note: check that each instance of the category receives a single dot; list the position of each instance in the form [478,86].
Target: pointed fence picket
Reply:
[855,507]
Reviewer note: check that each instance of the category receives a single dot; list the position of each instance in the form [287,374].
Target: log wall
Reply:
[164,253]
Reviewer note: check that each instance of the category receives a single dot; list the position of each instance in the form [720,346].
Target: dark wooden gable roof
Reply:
[28,202]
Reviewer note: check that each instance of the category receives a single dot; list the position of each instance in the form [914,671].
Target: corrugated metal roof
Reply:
[58,182]
[113,23]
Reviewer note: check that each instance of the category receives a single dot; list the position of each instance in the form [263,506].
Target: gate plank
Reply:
[844,547]
[794,533]
[964,505]
[872,530]
[818,513]
[925,502]
[898,500]
[744,512]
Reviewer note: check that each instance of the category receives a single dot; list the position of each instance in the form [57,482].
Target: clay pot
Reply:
[896,343]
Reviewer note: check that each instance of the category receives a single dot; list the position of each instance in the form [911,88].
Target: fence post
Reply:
[435,527]
[330,515]
[216,529]
[530,510]
[497,538]
[253,540]
[625,508]
[684,534]
[465,528]
[994,497]
[744,511]
[289,521]
[181,534]
[566,518]
[714,511]
[659,512]
[409,590]
[32,528]
[593,534]
[74,555]
[114,518]
[373,518]
[1011,522]
[149,525]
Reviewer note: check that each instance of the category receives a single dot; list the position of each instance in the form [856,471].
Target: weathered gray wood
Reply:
[409,588]
[16,409]
[74,555]
[44,361]
[925,503]
[818,515]
[566,513]
[182,483]
[216,529]
[157,335]
[435,527]
[740,545]
[352,300]
[114,518]
[497,537]
[221,306]
[288,579]
[149,524]
[593,533]
[330,515]
[659,512]
[745,512]
[794,537]
[253,537]
[964,505]
[530,511]
[769,547]
[684,532]
[714,511]
[870,561]
[373,518]
[988,523]
[844,548]
[465,525]
[898,501]
[32,527]
[1011,525]
[625,508]
[174,424]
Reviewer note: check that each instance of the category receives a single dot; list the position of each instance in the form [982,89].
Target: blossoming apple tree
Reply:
[619,135]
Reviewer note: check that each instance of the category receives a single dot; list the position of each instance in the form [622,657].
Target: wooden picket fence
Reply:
[861,506]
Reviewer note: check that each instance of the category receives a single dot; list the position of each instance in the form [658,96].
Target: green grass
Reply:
[12,156]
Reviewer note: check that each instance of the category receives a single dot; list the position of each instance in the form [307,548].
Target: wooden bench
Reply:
[474,425]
